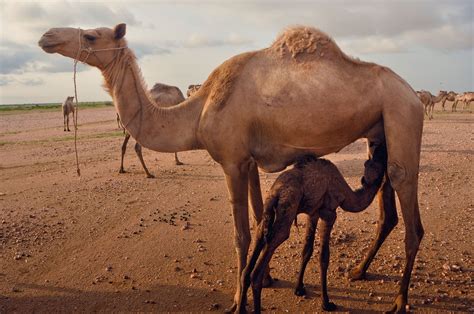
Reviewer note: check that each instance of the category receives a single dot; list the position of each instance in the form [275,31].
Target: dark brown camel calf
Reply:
[314,187]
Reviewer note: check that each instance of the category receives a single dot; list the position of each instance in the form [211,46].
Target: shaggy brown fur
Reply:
[314,187]
[219,85]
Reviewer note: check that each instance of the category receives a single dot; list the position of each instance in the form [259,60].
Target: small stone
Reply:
[15,289]
[455,267]
[177,268]
[214,306]
[194,276]
[108,268]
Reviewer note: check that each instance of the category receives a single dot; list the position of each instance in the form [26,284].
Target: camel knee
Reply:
[138,148]
[242,243]
[397,175]
[389,223]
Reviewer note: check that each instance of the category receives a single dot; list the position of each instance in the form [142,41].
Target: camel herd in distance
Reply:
[164,96]
[429,100]
[167,95]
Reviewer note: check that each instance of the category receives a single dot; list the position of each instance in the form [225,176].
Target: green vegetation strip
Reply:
[52,106]
[66,138]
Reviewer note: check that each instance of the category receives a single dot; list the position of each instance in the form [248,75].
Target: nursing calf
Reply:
[314,187]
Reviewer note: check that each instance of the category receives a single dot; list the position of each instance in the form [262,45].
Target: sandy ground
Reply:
[120,242]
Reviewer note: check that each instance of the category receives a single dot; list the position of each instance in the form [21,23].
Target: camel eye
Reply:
[89,37]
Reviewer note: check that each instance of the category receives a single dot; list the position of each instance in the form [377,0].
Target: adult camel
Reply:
[164,96]
[300,96]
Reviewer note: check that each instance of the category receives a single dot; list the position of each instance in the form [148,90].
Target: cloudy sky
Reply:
[429,43]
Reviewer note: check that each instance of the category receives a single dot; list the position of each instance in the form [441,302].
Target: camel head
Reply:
[375,167]
[96,47]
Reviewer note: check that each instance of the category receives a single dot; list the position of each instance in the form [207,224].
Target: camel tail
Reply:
[269,217]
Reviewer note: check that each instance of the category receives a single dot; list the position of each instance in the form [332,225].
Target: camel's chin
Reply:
[50,48]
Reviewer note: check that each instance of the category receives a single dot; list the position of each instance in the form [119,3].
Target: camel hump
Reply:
[160,87]
[305,41]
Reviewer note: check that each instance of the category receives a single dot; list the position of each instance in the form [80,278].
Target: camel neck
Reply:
[171,129]
[438,98]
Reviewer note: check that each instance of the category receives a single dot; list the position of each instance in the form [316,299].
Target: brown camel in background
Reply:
[314,187]
[192,89]
[429,100]
[164,96]
[68,108]
[267,108]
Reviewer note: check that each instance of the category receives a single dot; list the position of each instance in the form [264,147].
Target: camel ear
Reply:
[120,30]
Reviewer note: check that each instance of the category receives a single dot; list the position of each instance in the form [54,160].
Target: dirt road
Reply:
[120,242]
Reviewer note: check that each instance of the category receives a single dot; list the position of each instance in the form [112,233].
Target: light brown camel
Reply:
[268,107]
[429,100]
[68,107]
[314,187]
[465,98]
[451,96]
[192,89]
[164,96]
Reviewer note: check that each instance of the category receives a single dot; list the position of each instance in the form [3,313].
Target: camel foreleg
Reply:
[308,249]
[237,184]
[124,149]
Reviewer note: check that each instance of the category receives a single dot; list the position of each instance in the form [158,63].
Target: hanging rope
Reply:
[88,50]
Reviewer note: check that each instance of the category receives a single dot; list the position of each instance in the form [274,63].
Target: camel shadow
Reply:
[451,303]
[160,298]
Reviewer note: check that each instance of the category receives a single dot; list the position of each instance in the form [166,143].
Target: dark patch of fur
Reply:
[219,85]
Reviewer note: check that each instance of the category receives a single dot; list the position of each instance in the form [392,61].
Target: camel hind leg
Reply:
[138,150]
[388,219]
[403,127]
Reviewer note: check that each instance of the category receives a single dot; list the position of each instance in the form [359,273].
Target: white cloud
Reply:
[199,35]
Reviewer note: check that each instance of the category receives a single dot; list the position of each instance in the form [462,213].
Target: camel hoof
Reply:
[233,308]
[399,306]
[238,309]
[150,176]
[179,163]
[122,171]
[355,274]
[329,307]
[300,291]
[267,281]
